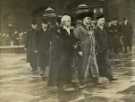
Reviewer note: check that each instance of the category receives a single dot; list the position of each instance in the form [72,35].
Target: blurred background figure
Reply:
[127,33]
[32,47]
[115,34]
[43,46]
[16,38]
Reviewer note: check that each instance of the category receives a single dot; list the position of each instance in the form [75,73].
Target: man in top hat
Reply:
[102,48]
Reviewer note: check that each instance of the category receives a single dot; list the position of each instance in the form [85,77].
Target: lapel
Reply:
[66,34]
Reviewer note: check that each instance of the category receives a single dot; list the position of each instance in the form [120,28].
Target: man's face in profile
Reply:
[34,26]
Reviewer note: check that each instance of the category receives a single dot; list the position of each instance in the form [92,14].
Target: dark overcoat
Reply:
[44,39]
[127,33]
[54,55]
[66,51]
[31,44]
[115,34]
[102,52]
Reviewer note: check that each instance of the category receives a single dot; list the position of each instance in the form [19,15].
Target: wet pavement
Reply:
[18,85]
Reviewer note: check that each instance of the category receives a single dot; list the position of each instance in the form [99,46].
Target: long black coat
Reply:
[54,57]
[66,51]
[102,53]
[101,40]
[44,38]
[31,44]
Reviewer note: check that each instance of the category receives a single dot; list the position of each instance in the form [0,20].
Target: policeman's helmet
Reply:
[49,12]
[82,11]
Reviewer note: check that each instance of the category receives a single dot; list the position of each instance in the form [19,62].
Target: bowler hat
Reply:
[83,11]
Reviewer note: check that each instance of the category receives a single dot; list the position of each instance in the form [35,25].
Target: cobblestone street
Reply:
[17,84]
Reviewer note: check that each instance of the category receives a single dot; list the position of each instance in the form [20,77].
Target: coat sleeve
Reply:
[96,41]
[27,37]
[37,37]
[77,33]
[131,30]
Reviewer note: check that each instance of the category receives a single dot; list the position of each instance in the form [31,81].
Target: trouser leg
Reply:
[104,65]
[34,62]
[43,62]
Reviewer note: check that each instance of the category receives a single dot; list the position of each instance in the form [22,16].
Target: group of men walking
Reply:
[81,50]
[120,35]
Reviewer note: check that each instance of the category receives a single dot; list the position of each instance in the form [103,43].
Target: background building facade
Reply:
[18,14]
[121,9]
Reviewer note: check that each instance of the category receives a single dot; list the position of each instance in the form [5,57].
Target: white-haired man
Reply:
[66,51]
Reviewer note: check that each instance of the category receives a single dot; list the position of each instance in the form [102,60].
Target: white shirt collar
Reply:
[67,29]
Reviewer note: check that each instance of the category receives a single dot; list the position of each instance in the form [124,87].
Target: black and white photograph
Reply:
[67,51]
